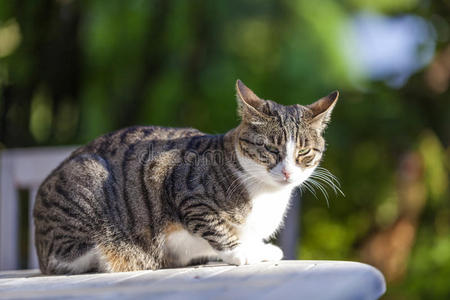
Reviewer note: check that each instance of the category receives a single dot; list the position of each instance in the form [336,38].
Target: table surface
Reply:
[269,280]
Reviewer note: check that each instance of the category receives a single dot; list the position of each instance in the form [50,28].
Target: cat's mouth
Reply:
[284,181]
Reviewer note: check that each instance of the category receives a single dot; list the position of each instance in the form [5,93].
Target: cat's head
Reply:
[281,145]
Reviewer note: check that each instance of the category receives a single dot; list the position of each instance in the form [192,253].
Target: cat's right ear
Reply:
[250,106]
[321,110]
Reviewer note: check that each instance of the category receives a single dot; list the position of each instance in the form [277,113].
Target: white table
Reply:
[272,280]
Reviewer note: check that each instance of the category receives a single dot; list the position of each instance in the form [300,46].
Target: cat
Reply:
[152,197]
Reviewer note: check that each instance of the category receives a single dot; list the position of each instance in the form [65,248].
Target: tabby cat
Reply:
[153,197]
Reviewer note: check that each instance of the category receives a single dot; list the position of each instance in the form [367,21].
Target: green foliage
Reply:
[72,70]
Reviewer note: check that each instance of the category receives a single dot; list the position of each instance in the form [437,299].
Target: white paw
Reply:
[241,255]
[245,254]
[270,252]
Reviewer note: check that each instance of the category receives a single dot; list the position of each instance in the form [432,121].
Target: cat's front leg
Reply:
[204,220]
[250,253]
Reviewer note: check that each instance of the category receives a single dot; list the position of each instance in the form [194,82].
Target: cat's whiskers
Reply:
[241,178]
[330,183]
[327,173]
[322,169]
[309,188]
[317,180]
[249,179]
[246,182]
[319,186]
[328,178]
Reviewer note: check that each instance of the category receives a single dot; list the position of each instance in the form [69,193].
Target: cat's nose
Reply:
[286,174]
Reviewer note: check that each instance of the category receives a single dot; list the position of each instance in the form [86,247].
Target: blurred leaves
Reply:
[9,37]
[436,166]
[41,115]
[385,5]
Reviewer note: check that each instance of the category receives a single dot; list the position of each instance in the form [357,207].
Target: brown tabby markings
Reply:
[116,260]
[173,227]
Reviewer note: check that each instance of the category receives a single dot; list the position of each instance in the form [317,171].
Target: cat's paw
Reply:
[250,254]
[270,252]
[241,255]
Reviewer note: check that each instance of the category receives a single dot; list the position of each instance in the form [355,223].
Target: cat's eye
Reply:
[303,151]
[272,149]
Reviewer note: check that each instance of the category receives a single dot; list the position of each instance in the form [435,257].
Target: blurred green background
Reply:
[72,70]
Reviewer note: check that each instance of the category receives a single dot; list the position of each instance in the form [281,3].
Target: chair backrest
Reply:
[27,168]
[22,169]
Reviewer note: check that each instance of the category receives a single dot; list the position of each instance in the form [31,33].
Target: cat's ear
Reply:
[250,106]
[321,110]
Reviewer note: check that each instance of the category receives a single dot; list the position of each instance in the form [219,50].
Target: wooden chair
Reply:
[27,168]
[22,169]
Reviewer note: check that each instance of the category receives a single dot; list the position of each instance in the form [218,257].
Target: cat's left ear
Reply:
[321,110]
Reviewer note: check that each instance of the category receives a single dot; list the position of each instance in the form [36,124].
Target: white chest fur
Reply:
[268,210]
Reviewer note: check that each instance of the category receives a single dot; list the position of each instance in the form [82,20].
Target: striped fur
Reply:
[154,197]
